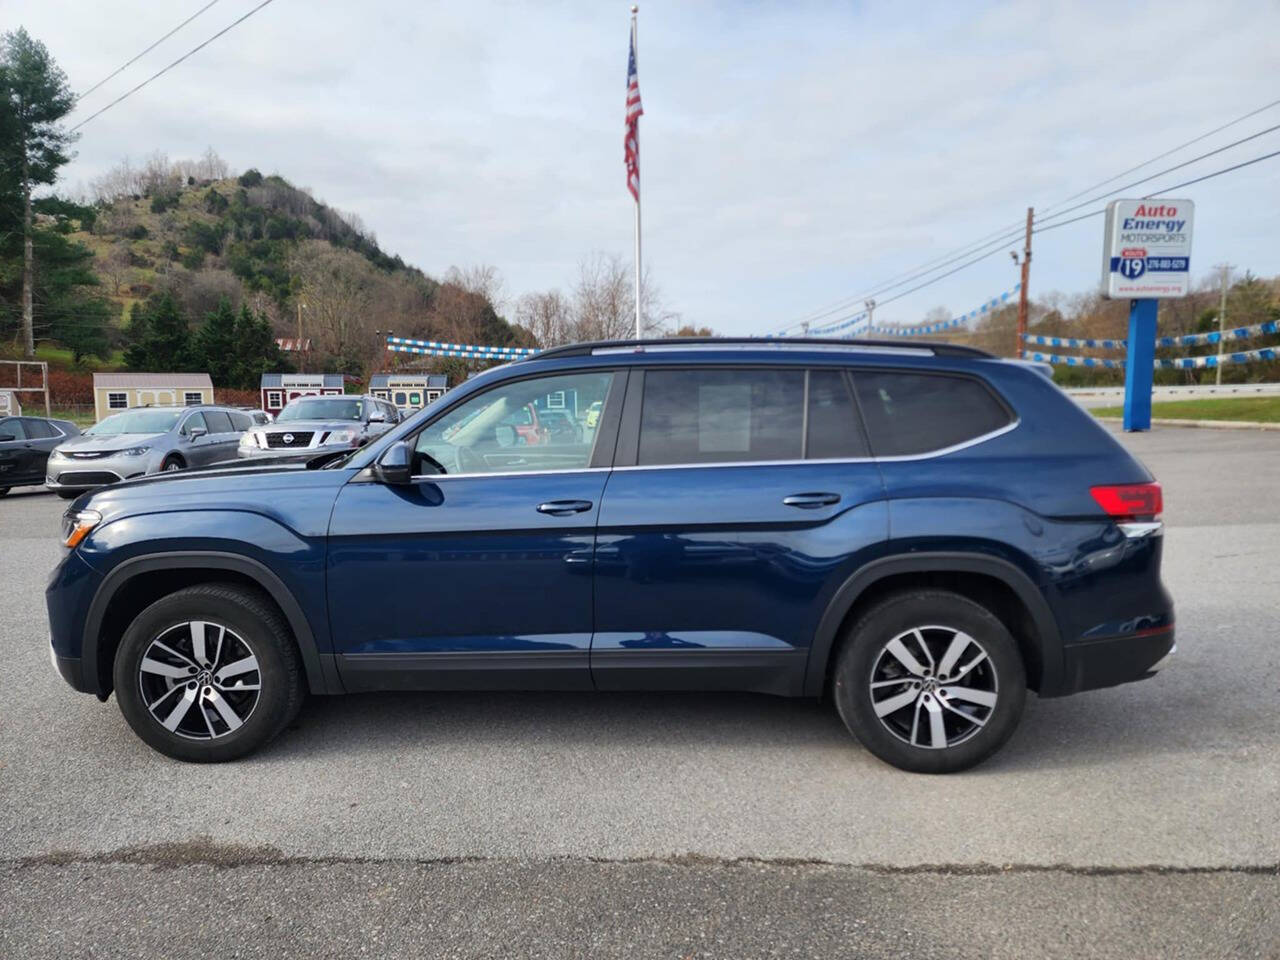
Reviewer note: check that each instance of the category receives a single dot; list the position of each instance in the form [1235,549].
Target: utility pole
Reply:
[1222,318]
[871,309]
[300,351]
[1022,289]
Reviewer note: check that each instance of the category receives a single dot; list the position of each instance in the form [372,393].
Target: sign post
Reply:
[1146,257]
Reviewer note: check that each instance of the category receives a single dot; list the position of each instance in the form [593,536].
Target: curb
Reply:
[1206,424]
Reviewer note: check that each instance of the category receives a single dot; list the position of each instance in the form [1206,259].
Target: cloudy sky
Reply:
[794,154]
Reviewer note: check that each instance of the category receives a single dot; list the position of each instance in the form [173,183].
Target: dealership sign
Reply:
[1147,250]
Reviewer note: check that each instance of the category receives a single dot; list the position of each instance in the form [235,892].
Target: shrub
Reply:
[193,259]
[250,178]
[137,232]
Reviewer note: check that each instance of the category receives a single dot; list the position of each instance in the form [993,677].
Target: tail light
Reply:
[1129,501]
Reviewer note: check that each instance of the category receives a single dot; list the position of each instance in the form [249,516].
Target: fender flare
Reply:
[322,675]
[1049,639]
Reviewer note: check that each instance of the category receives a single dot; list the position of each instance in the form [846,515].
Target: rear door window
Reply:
[833,431]
[915,413]
[721,416]
[218,421]
[39,430]
[240,422]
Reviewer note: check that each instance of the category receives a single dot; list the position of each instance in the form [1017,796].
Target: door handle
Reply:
[562,508]
[810,501]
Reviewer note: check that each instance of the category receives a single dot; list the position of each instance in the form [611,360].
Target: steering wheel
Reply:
[469,461]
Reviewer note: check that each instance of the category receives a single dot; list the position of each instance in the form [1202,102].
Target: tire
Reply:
[898,719]
[171,463]
[225,717]
[68,494]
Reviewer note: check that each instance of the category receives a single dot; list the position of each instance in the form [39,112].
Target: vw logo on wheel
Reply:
[288,438]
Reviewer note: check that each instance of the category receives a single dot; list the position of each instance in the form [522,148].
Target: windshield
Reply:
[136,421]
[320,408]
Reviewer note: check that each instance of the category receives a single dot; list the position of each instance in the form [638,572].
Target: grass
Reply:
[59,358]
[1252,409]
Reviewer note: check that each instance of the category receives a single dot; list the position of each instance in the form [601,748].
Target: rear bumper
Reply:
[1110,661]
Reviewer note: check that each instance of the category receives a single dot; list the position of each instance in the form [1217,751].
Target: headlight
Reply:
[341,436]
[134,451]
[58,455]
[77,524]
[249,439]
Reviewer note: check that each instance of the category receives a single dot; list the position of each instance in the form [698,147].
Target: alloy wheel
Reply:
[933,687]
[200,680]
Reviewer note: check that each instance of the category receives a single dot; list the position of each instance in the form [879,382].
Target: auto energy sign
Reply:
[1147,250]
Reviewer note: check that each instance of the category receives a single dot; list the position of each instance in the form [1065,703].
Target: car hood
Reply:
[234,485]
[90,443]
[310,426]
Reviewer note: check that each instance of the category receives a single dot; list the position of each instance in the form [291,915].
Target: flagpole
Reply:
[634,31]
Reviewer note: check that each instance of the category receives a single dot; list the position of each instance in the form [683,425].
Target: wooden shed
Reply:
[409,391]
[279,388]
[113,392]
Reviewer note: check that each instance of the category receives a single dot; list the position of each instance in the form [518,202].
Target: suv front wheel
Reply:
[208,673]
[930,681]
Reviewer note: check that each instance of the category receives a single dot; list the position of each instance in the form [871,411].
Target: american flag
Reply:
[631,142]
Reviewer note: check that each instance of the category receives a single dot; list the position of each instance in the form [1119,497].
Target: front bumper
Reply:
[93,473]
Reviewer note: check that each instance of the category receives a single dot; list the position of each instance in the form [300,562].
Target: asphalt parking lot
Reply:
[1138,821]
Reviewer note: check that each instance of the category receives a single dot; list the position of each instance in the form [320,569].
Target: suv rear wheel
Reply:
[930,681]
[208,674]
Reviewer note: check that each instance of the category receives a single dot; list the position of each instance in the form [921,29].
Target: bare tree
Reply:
[483,279]
[116,266]
[547,316]
[336,287]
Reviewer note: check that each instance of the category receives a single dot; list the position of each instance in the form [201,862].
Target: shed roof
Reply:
[328,381]
[380,381]
[146,381]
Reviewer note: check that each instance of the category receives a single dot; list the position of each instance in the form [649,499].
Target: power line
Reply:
[1014,230]
[1175,186]
[1177,166]
[1086,216]
[160,73]
[146,51]
[1167,153]
[999,242]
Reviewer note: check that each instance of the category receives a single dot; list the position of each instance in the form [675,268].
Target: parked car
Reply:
[921,533]
[259,417]
[559,427]
[320,424]
[25,445]
[144,440]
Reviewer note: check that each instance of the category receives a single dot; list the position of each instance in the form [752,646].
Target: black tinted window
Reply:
[218,421]
[909,413]
[12,428]
[39,430]
[833,420]
[240,422]
[717,416]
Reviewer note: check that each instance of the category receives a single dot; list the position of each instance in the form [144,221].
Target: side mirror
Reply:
[195,433]
[378,416]
[394,467]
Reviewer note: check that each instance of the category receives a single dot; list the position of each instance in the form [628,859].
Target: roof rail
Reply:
[638,346]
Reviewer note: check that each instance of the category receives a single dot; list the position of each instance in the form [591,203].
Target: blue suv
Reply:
[920,533]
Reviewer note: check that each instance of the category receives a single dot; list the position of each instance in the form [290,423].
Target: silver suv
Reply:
[312,425]
[144,440]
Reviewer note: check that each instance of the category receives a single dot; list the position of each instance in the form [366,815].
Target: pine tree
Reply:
[256,351]
[163,341]
[216,343]
[34,97]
